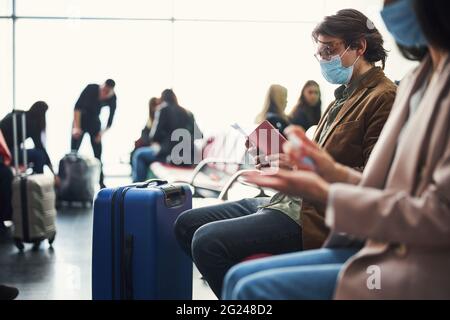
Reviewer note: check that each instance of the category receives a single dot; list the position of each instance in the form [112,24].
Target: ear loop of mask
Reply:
[346,50]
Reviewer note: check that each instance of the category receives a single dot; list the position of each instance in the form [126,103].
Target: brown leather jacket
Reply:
[350,140]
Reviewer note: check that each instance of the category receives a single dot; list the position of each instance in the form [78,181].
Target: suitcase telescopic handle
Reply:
[152,182]
[15,113]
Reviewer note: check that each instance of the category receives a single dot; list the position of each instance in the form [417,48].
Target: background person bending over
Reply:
[308,110]
[87,117]
[35,129]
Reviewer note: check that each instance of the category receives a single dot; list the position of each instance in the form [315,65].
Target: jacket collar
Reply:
[367,81]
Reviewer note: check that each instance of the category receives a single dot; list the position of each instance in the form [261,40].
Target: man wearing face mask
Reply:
[87,117]
[348,49]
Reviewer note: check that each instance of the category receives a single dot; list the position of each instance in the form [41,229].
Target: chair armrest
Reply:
[224,194]
[206,162]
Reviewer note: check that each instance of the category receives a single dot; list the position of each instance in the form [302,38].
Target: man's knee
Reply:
[137,156]
[183,224]
[206,243]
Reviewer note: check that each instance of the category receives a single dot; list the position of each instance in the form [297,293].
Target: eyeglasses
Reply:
[327,50]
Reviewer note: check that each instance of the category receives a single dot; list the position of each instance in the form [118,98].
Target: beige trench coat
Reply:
[401,202]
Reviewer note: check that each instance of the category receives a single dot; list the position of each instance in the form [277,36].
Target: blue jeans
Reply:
[308,275]
[219,237]
[142,158]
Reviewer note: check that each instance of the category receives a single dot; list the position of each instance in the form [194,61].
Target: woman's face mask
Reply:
[335,72]
[401,21]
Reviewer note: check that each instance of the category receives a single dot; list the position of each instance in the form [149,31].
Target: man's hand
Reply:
[57,181]
[99,136]
[303,184]
[77,132]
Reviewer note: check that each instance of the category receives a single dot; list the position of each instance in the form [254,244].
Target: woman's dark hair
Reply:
[169,96]
[433,19]
[312,113]
[351,26]
[36,114]
[302,103]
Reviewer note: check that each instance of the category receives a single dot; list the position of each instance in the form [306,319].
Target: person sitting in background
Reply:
[400,204]
[308,110]
[142,146]
[274,108]
[144,141]
[170,116]
[221,236]
[35,129]
[6,178]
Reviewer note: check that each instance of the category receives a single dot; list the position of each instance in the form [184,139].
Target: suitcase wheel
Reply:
[36,245]
[19,244]
[51,240]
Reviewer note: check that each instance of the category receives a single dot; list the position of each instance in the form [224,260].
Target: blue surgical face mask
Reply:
[401,21]
[334,72]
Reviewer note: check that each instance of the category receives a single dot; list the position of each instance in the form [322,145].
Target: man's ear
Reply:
[361,47]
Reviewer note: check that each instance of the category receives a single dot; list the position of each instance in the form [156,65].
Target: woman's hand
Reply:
[324,164]
[305,184]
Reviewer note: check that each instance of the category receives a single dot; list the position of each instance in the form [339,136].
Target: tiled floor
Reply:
[62,272]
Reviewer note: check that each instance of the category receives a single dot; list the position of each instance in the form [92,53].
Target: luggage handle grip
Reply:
[152,182]
[15,137]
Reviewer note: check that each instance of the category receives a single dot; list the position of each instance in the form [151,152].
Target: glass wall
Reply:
[220,56]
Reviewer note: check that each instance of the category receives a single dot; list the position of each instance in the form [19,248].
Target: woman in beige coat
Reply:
[400,205]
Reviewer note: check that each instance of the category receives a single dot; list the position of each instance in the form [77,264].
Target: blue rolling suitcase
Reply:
[135,254]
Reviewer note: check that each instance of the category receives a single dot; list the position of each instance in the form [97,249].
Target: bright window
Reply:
[220,56]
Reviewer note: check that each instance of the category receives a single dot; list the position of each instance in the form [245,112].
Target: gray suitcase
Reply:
[33,201]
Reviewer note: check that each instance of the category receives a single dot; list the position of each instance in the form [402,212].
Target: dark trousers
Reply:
[36,159]
[96,147]
[219,237]
[6,178]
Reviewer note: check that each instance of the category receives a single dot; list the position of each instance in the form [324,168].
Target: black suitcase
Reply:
[79,177]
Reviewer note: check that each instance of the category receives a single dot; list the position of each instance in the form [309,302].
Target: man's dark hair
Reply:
[110,83]
[433,19]
[351,26]
[169,96]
